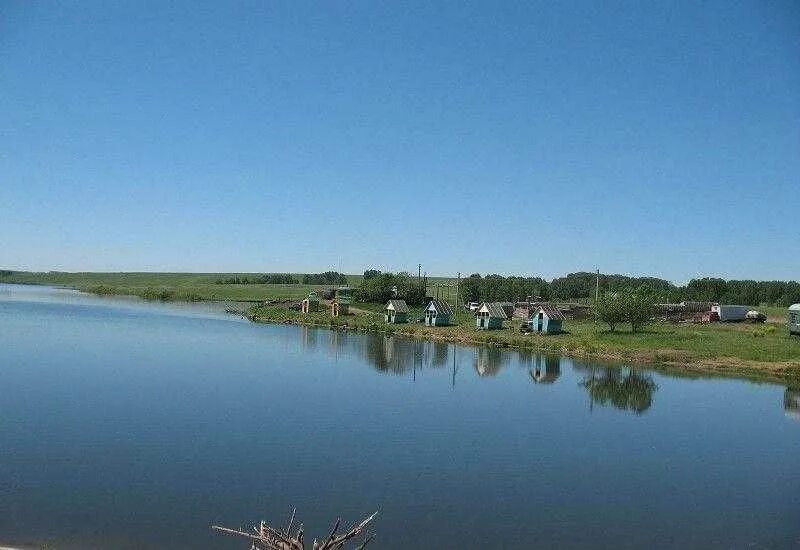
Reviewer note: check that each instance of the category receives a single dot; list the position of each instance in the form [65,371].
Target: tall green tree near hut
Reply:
[638,306]
[610,309]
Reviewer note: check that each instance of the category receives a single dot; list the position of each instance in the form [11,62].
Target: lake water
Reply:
[133,425]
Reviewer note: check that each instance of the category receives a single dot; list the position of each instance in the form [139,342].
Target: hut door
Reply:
[540,322]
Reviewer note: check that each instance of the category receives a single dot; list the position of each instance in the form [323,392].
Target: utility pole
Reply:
[458,289]
[597,288]
[596,316]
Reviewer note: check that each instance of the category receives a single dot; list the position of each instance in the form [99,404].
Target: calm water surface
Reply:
[132,425]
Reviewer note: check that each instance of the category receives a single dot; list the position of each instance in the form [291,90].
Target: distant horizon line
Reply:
[463,275]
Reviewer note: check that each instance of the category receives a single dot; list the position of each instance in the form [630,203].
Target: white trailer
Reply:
[730,314]
[794,319]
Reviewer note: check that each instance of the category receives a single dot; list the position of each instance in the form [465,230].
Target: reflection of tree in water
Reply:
[546,370]
[626,390]
[392,354]
[376,353]
[488,361]
[791,402]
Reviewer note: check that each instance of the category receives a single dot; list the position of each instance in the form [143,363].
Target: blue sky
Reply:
[658,138]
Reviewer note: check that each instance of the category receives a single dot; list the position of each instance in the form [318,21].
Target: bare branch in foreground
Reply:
[265,537]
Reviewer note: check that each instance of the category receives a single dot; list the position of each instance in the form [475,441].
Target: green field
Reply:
[181,286]
[168,286]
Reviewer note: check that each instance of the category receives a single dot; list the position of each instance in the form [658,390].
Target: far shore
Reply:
[757,352]
[574,344]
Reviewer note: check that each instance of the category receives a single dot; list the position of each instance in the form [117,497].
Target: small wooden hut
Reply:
[548,319]
[396,311]
[310,303]
[340,305]
[490,315]
[438,313]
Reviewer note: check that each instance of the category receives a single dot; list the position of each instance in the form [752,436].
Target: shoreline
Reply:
[676,361]
[778,372]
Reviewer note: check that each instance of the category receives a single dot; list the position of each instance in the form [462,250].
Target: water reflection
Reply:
[546,370]
[489,361]
[791,402]
[439,358]
[625,389]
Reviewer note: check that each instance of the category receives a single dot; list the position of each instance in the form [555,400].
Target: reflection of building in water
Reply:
[439,356]
[393,354]
[546,370]
[620,388]
[308,337]
[791,402]
[488,361]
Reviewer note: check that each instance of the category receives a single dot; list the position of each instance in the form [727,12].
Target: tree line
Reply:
[326,278]
[582,286]
[379,287]
[265,279]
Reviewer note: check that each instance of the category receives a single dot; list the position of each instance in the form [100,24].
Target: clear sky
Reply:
[658,138]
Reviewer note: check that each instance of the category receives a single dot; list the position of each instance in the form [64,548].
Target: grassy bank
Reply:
[756,351]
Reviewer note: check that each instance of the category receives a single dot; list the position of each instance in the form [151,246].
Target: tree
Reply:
[370,273]
[638,306]
[610,309]
[626,391]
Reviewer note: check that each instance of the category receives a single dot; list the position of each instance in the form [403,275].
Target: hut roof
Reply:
[552,312]
[794,307]
[494,309]
[399,306]
[441,307]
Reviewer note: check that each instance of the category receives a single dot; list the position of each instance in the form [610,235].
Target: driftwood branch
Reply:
[264,537]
